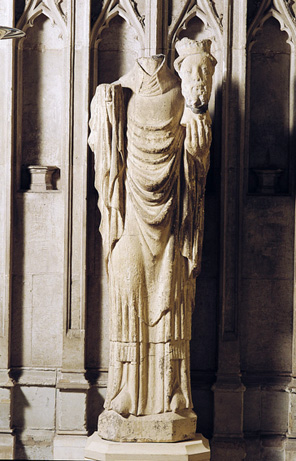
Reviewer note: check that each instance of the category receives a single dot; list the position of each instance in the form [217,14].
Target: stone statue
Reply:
[151,137]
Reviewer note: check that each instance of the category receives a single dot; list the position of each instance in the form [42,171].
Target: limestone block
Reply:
[7,446]
[36,377]
[69,447]
[5,405]
[273,448]
[290,449]
[268,241]
[292,411]
[252,448]
[274,411]
[165,427]
[252,410]
[34,444]
[71,411]
[102,450]
[47,320]
[21,333]
[39,233]
[34,407]
[228,414]
[266,343]
[227,449]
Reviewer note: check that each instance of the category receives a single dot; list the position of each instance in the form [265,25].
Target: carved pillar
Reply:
[71,383]
[290,449]
[228,390]
[156,26]
[6,172]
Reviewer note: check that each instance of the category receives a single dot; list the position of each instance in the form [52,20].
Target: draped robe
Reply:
[151,198]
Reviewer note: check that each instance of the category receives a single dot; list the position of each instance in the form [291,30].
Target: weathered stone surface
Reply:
[152,253]
[165,427]
[71,411]
[7,446]
[34,408]
[34,444]
[5,405]
[67,447]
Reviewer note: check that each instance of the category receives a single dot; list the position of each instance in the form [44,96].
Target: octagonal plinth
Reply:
[164,427]
[98,449]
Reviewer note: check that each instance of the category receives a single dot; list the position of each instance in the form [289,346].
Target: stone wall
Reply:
[53,290]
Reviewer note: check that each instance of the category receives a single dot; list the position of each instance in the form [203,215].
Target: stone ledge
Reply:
[102,450]
[165,427]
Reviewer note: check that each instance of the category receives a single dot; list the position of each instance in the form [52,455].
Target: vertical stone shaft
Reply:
[71,382]
[6,172]
[156,27]
[75,197]
[228,390]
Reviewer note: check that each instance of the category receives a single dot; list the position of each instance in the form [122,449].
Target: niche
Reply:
[118,49]
[195,30]
[41,101]
[269,91]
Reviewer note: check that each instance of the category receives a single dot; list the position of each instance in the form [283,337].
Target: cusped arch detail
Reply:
[206,14]
[116,8]
[277,11]
[50,10]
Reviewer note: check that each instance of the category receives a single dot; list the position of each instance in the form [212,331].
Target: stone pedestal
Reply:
[165,427]
[41,177]
[103,450]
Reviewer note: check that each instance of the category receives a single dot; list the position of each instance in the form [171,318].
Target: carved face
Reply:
[196,73]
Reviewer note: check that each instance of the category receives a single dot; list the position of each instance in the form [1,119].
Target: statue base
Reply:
[98,449]
[164,427]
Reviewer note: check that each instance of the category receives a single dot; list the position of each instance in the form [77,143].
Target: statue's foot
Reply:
[178,401]
[122,403]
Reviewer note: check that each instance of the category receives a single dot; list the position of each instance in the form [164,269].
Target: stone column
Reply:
[228,390]
[156,27]
[7,441]
[71,383]
[290,447]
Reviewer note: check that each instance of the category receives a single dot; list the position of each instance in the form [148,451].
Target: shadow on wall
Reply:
[97,347]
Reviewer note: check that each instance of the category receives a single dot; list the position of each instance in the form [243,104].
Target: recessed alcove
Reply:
[41,96]
[117,50]
[269,64]
[195,30]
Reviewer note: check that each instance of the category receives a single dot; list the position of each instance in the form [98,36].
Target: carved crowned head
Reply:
[195,66]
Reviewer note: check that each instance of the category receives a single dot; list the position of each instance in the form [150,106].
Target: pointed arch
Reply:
[205,13]
[49,8]
[113,8]
[280,12]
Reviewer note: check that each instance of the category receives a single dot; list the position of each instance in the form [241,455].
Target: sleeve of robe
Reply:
[107,142]
[196,162]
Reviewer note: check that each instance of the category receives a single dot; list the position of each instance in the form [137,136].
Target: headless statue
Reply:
[151,136]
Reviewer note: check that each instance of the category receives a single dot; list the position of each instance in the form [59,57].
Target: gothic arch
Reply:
[49,8]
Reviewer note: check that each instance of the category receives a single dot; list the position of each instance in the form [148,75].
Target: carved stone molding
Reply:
[124,8]
[204,10]
[50,8]
[282,11]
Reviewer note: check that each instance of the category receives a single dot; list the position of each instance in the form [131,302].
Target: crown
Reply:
[186,47]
